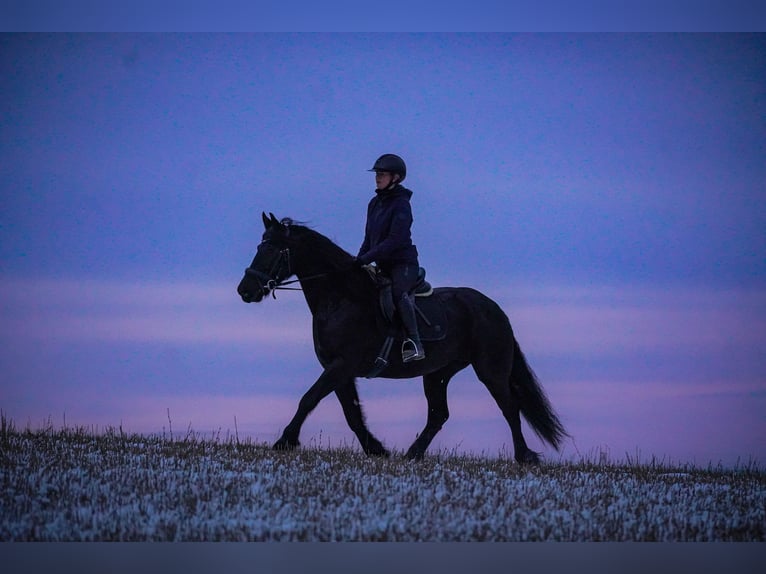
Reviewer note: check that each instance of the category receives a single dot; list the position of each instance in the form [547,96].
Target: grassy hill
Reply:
[74,484]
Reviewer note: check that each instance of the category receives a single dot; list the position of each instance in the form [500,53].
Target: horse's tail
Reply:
[534,404]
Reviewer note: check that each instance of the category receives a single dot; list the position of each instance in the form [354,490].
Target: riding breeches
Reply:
[404,277]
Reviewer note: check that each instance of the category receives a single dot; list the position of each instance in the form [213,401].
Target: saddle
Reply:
[385,298]
[432,319]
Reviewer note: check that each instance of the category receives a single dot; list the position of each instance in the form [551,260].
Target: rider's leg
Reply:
[412,348]
[403,280]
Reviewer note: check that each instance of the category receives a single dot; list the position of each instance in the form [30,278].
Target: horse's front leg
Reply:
[333,376]
[352,409]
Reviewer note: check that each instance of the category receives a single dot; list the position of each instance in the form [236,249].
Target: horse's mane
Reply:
[321,245]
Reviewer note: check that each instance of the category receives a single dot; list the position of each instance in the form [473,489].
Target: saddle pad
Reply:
[432,318]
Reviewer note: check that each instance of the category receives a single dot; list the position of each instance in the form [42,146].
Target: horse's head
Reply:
[271,264]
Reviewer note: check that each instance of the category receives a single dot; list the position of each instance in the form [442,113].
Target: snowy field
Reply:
[76,485]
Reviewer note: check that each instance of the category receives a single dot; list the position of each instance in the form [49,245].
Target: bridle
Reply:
[269,282]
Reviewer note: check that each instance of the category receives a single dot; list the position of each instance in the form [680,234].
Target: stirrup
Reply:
[410,351]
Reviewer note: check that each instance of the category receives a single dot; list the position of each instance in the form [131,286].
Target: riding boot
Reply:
[412,348]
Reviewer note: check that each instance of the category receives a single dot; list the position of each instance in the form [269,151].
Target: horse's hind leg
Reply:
[352,409]
[435,387]
[497,381]
[521,452]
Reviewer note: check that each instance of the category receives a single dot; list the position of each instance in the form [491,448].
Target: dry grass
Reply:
[76,484]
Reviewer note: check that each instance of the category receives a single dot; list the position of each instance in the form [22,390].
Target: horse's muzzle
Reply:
[247,294]
[249,297]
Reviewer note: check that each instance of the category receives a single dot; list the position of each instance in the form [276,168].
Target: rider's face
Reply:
[383,179]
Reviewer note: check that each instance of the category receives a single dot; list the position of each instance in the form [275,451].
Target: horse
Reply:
[347,334]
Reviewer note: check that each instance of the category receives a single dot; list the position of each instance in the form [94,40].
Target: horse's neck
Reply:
[326,278]
[327,287]
[313,264]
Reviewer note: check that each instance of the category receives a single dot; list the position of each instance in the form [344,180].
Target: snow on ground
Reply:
[72,485]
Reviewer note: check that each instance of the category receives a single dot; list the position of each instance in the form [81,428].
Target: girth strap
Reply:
[381,362]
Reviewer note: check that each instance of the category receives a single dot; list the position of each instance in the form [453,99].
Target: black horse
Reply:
[347,337]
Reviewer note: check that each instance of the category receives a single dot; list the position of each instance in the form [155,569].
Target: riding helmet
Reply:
[392,163]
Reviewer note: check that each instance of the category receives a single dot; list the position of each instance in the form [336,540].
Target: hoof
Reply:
[375,448]
[284,444]
[414,455]
[528,457]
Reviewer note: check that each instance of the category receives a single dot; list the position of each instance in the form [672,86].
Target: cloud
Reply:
[599,320]
[552,318]
[198,351]
[107,311]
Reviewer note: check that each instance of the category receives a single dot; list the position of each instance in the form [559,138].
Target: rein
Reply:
[271,284]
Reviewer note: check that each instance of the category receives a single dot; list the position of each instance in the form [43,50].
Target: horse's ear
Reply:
[266,222]
[274,220]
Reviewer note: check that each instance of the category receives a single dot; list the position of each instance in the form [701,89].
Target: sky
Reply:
[607,190]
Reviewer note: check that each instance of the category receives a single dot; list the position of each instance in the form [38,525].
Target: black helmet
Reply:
[391,163]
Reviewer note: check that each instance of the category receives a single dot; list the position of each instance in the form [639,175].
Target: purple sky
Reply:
[606,189]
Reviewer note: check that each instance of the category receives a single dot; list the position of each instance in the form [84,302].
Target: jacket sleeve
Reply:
[398,236]
[365,245]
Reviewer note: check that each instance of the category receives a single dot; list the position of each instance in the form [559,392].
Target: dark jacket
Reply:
[387,236]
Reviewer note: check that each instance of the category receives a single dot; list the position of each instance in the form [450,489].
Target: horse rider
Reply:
[388,243]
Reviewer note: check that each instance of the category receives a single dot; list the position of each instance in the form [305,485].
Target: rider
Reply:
[388,243]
